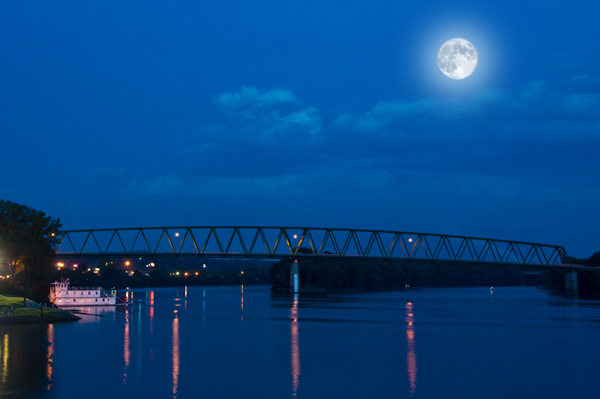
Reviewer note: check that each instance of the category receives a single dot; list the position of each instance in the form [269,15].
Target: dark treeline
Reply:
[27,238]
[588,282]
[333,274]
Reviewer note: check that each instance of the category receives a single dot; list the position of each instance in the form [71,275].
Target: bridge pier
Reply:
[294,277]
[571,283]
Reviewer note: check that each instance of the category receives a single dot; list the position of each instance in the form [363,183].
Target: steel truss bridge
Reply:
[303,242]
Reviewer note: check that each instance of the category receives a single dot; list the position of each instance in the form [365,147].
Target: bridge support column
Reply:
[294,277]
[571,283]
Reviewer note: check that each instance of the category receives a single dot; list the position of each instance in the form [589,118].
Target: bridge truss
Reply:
[294,242]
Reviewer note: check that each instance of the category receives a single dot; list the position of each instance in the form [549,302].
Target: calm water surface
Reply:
[245,342]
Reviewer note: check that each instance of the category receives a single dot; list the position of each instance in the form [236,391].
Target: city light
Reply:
[295,236]
[75,266]
[176,234]
[185,274]
[196,273]
[127,263]
[410,240]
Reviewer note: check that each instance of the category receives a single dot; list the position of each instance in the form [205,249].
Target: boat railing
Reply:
[84,288]
[105,294]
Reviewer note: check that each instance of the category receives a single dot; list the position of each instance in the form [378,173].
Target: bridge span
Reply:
[305,242]
[311,242]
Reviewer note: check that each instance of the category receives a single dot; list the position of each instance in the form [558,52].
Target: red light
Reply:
[75,266]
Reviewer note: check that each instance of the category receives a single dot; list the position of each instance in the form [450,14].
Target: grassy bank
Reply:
[32,314]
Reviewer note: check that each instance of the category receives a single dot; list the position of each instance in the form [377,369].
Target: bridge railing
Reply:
[281,242]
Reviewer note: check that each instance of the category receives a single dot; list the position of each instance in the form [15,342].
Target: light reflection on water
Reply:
[5,358]
[411,356]
[175,355]
[350,346]
[295,347]
[49,356]
[126,346]
[151,314]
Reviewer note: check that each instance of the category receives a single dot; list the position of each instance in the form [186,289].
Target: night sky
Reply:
[305,113]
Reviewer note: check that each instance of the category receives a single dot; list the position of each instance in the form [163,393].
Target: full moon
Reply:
[457,58]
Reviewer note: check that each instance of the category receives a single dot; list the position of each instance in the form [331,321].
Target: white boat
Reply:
[63,295]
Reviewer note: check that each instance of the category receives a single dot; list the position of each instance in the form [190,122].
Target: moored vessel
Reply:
[63,295]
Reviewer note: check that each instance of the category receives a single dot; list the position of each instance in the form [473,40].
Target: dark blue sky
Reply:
[312,113]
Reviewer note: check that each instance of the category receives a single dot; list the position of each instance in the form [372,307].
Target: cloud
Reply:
[250,98]
[276,111]
[537,130]
[495,145]
[260,134]
[161,185]
[209,186]
[102,172]
[584,84]
[504,126]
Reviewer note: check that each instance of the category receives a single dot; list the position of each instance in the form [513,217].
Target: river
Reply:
[226,342]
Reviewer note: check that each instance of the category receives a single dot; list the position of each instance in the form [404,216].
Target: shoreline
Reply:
[28,314]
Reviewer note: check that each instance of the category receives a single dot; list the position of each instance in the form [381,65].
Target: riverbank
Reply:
[24,314]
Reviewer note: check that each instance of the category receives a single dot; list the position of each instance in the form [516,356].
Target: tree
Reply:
[594,260]
[27,241]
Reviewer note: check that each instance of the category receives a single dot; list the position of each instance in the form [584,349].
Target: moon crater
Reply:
[457,58]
